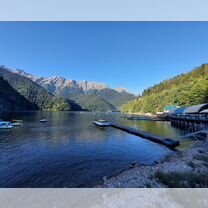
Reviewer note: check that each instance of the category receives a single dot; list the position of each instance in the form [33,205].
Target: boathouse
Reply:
[170,108]
[200,110]
[196,115]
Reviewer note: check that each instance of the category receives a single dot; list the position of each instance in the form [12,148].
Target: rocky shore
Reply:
[187,169]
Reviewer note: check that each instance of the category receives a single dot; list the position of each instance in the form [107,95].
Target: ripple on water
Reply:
[69,151]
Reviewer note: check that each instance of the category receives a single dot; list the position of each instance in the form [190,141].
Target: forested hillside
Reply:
[34,93]
[78,90]
[94,103]
[113,97]
[183,90]
[11,100]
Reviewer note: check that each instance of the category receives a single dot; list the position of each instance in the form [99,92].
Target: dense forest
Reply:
[87,102]
[183,90]
[98,100]
[34,93]
[11,100]
[113,97]
[94,103]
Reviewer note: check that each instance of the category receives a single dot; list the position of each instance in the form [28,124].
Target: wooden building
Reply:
[193,116]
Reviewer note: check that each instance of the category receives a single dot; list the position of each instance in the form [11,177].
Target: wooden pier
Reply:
[189,119]
[195,122]
[154,138]
[195,117]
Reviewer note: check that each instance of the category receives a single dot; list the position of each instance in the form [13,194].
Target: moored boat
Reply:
[5,125]
[16,122]
[101,123]
[43,120]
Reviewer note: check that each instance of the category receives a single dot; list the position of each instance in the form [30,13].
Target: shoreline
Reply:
[187,169]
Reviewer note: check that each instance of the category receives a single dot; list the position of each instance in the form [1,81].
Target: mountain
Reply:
[11,100]
[112,96]
[33,92]
[77,90]
[183,90]
[94,103]
[57,84]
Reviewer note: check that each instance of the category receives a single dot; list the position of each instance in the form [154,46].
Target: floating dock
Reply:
[154,138]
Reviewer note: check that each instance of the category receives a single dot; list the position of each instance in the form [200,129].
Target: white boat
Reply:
[101,123]
[5,125]
[43,120]
[16,123]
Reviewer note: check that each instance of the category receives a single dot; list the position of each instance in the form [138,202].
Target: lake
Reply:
[70,151]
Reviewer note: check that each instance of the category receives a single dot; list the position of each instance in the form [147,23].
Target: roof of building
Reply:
[170,107]
[204,111]
[196,108]
[179,110]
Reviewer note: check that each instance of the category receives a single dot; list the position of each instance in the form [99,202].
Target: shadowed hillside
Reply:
[33,92]
[11,100]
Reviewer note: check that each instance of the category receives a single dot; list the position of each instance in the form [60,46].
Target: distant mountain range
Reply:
[22,91]
[57,93]
[58,84]
[78,91]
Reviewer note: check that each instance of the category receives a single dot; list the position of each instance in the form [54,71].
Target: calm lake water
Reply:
[70,151]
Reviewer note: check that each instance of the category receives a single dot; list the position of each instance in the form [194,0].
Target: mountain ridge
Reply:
[74,90]
[92,85]
[33,92]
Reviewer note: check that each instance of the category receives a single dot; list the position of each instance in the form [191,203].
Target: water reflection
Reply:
[69,151]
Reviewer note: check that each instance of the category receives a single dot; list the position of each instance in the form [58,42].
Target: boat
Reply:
[17,122]
[43,120]
[5,125]
[101,123]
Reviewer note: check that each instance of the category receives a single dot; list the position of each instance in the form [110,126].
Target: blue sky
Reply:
[133,55]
